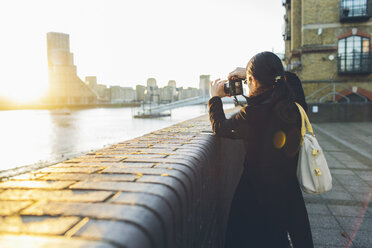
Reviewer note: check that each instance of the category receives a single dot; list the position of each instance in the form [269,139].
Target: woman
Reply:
[267,206]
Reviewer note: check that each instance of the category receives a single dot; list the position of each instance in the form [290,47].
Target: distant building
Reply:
[152,91]
[167,94]
[172,83]
[65,87]
[100,89]
[187,93]
[204,84]
[120,94]
[327,44]
[129,94]
[151,83]
[140,92]
[91,81]
[103,93]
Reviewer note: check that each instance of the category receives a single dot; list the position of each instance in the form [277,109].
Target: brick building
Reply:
[328,45]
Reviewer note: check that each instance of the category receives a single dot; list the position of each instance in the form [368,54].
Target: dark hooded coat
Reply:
[268,202]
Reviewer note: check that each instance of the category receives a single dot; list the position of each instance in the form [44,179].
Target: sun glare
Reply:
[23,94]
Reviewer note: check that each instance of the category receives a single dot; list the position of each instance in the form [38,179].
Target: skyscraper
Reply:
[204,83]
[64,84]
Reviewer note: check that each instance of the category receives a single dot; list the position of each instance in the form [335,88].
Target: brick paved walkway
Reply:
[343,216]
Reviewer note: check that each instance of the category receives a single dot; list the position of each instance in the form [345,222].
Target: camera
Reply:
[234,86]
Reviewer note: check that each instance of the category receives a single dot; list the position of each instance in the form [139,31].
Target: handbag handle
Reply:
[305,119]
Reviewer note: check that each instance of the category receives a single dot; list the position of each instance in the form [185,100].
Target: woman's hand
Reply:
[238,72]
[217,88]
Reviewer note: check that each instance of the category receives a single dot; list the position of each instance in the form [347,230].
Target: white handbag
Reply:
[313,173]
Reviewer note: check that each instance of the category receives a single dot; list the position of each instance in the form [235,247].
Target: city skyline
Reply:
[125,44]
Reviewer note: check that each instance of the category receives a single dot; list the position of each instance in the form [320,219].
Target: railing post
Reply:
[334,92]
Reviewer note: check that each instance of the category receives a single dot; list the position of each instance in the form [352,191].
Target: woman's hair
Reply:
[267,69]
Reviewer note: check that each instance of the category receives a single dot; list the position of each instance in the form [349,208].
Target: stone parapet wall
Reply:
[340,112]
[170,188]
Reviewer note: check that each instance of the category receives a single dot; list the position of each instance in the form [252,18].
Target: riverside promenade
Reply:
[172,188]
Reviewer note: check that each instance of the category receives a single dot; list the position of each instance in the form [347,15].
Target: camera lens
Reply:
[226,88]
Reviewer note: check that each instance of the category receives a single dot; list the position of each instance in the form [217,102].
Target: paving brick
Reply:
[321,221]
[351,180]
[337,195]
[363,239]
[342,172]
[339,210]
[172,182]
[365,175]
[89,177]
[149,200]
[35,184]
[362,197]
[71,169]
[148,155]
[317,209]
[107,164]
[358,189]
[132,165]
[11,241]
[37,224]
[56,195]
[160,151]
[181,168]
[139,215]
[150,188]
[351,224]
[28,176]
[149,171]
[115,169]
[95,160]
[356,165]
[121,233]
[328,237]
[12,207]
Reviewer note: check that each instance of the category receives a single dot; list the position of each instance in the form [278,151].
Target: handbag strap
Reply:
[305,120]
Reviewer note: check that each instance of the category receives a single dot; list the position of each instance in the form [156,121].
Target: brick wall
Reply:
[315,31]
[158,190]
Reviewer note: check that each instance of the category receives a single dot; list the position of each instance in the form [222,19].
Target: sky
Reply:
[124,42]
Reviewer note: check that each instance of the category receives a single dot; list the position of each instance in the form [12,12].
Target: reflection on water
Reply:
[39,136]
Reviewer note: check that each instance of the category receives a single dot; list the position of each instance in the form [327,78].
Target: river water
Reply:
[41,137]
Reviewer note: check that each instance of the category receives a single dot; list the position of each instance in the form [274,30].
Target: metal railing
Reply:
[328,90]
[355,10]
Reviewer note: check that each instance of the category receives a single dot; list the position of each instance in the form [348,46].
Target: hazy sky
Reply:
[124,42]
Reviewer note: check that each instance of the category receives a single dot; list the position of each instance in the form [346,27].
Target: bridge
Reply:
[154,110]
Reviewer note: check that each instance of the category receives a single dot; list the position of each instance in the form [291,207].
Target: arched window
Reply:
[354,54]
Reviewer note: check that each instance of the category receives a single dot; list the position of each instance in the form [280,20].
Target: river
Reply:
[41,137]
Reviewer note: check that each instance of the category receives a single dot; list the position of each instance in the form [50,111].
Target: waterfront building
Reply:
[101,90]
[328,45]
[129,94]
[120,94]
[140,92]
[204,84]
[187,93]
[91,81]
[167,94]
[65,87]
[151,84]
[172,83]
